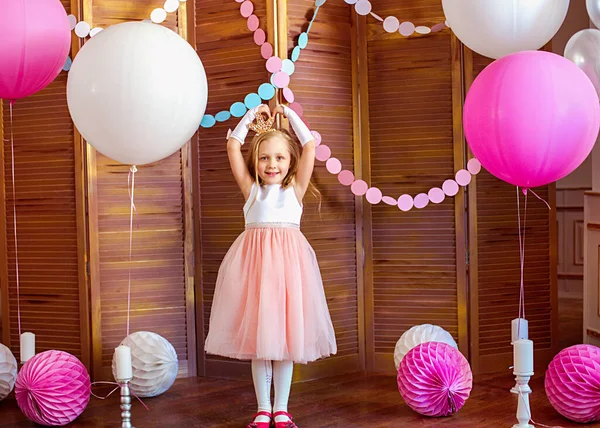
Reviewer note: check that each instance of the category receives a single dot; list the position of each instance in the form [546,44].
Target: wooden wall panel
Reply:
[416,273]
[495,270]
[159,286]
[234,68]
[323,85]
[51,280]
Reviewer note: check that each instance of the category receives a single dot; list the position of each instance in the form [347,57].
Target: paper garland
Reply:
[405,202]
[83,29]
[391,24]
[280,69]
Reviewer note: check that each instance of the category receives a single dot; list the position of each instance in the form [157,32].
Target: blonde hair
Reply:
[253,158]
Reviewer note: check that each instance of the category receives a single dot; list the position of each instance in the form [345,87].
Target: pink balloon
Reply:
[436,195]
[266,50]
[323,153]
[421,200]
[346,177]
[333,165]
[35,38]
[531,118]
[450,187]
[359,187]
[389,200]
[463,177]
[405,202]
[374,195]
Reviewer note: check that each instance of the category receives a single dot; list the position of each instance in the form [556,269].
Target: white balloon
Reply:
[137,92]
[496,28]
[593,10]
[583,49]
[420,334]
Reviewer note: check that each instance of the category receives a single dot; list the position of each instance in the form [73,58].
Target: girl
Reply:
[269,305]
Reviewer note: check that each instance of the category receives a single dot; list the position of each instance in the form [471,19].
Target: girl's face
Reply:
[273,160]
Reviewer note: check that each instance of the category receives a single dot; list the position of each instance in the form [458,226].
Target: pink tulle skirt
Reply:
[269,301]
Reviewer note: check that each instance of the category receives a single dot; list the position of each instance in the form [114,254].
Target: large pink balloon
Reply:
[35,38]
[531,118]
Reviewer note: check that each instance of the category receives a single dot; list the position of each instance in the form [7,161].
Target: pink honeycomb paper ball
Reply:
[53,388]
[435,379]
[573,383]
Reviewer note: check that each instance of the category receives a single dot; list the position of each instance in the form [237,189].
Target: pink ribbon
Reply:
[117,387]
[12,167]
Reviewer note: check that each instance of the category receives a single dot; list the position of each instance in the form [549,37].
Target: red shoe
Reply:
[260,424]
[286,424]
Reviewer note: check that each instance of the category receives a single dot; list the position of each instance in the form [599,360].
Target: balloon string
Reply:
[14,197]
[540,198]
[100,382]
[130,179]
[522,259]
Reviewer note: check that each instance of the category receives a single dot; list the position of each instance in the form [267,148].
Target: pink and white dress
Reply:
[269,302]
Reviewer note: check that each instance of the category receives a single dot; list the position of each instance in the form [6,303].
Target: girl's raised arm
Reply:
[234,149]
[307,159]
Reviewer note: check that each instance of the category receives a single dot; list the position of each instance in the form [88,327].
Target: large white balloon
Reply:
[496,28]
[137,92]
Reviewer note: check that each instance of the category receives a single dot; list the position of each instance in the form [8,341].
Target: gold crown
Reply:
[260,125]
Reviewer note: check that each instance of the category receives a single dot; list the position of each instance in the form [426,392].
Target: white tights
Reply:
[264,373]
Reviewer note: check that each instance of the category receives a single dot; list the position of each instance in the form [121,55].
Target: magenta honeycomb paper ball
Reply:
[53,388]
[435,379]
[573,383]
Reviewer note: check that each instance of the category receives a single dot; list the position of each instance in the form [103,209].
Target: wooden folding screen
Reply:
[416,270]
[389,107]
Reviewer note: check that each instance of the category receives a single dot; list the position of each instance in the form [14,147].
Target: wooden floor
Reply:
[345,401]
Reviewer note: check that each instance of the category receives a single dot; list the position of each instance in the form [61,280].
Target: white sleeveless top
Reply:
[270,205]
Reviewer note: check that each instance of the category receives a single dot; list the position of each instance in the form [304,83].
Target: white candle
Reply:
[523,356]
[27,346]
[519,332]
[123,358]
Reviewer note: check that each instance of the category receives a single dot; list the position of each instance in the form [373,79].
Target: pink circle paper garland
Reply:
[374,195]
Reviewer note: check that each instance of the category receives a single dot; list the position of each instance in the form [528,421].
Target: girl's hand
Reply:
[279,110]
[263,108]
[241,130]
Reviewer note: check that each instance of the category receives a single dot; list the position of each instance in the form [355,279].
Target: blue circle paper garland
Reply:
[222,116]
[252,100]
[238,109]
